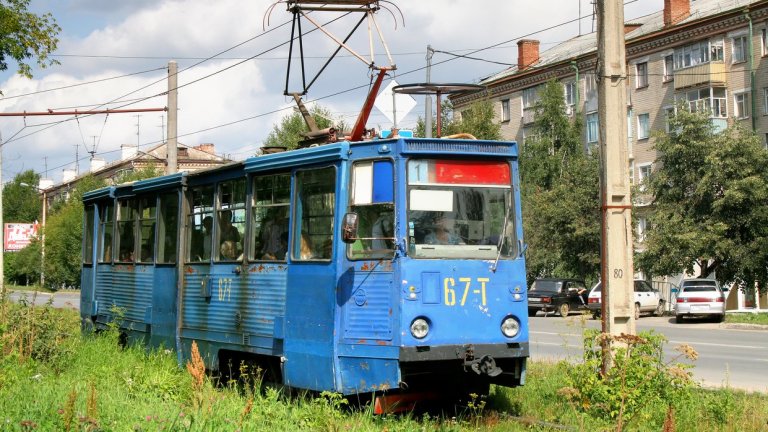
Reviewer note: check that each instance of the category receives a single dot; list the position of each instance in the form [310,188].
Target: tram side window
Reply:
[372,199]
[88,235]
[315,205]
[168,228]
[147,221]
[231,220]
[126,219]
[106,224]
[200,224]
[271,204]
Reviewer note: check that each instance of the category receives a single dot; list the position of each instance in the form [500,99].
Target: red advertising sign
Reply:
[18,236]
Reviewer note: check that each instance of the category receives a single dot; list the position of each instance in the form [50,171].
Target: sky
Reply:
[233,61]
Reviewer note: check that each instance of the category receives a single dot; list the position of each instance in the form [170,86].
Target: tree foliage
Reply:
[292,128]
[21,198]
[477,120]
[710,203]
[25,35]
[561,193]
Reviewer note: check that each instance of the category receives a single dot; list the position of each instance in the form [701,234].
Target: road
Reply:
[736,358]
[61,299]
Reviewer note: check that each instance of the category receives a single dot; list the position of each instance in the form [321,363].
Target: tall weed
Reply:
[639,376]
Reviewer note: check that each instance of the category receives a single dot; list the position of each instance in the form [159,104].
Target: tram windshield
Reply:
[460,209]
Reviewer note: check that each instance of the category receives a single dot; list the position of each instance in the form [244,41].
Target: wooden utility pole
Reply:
[173,112]
[617,274]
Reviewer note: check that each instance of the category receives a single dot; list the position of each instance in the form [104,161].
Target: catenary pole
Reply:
[616,242]
[428,98]
[173,102]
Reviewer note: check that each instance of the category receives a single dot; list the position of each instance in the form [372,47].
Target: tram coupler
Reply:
[485,365]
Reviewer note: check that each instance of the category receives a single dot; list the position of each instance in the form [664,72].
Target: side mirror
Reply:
[349,228]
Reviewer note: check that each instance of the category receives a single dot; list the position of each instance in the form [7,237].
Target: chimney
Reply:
[676,11]
[128,151]
[206,147]
[97,164]
[527,53]
[68,175]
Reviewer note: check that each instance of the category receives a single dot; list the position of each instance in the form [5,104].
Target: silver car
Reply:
[700,297]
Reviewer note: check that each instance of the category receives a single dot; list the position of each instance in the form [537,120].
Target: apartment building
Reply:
[710,54]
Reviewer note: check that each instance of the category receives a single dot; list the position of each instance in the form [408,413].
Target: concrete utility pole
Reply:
[173,111]
[428,98]
[616,272]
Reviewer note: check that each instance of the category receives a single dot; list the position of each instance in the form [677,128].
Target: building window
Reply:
[641,229]
[530,96]
[570,95]
[632,172]
[669,114]
[669,74]
[641,75]
[592,128]
[643,174]
[505,110]
[739,49]
[741,105]
[763,47]
[710,99]
[766,141]
[765,100]
[643,126]
[698,53]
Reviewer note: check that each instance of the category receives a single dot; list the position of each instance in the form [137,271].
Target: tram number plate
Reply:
[467,288]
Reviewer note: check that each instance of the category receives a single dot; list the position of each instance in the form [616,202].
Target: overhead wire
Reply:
[454,57]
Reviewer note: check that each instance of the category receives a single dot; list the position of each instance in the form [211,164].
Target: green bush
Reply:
[638,376]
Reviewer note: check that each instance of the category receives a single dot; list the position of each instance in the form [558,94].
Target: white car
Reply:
[700,297]
[647,299]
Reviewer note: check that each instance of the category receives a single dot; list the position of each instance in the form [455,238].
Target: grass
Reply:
[54,379]
[747,318]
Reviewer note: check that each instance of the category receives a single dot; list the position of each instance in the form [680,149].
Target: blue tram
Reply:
[384,266]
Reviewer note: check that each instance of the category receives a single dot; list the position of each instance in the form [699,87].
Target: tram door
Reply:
[311,281]
[368,294]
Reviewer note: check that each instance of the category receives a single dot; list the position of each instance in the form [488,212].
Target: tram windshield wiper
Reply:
[503,237]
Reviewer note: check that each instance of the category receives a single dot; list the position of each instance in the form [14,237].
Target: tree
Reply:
[21,198]
[64,236]
[25,35]
[561,193]
[292,128]
[477,120]
[709,196]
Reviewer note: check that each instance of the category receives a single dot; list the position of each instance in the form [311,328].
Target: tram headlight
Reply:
[420,328]
[510,327]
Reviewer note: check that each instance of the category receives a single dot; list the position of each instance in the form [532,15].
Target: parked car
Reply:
[556,294]
[647,299]
[700,297]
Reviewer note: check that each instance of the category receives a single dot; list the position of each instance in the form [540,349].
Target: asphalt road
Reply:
[61,299]
[736,358]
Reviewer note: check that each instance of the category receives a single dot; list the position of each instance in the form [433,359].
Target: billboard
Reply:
[18,235]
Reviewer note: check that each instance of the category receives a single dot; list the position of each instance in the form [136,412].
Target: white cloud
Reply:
[155,32]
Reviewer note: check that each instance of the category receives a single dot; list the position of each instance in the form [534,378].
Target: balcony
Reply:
[712,73]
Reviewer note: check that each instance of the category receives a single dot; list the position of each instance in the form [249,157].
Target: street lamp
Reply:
[42,236]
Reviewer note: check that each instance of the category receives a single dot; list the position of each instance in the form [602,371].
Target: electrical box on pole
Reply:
[616,245]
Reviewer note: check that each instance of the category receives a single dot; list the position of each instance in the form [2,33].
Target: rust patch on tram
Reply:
[189,270]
